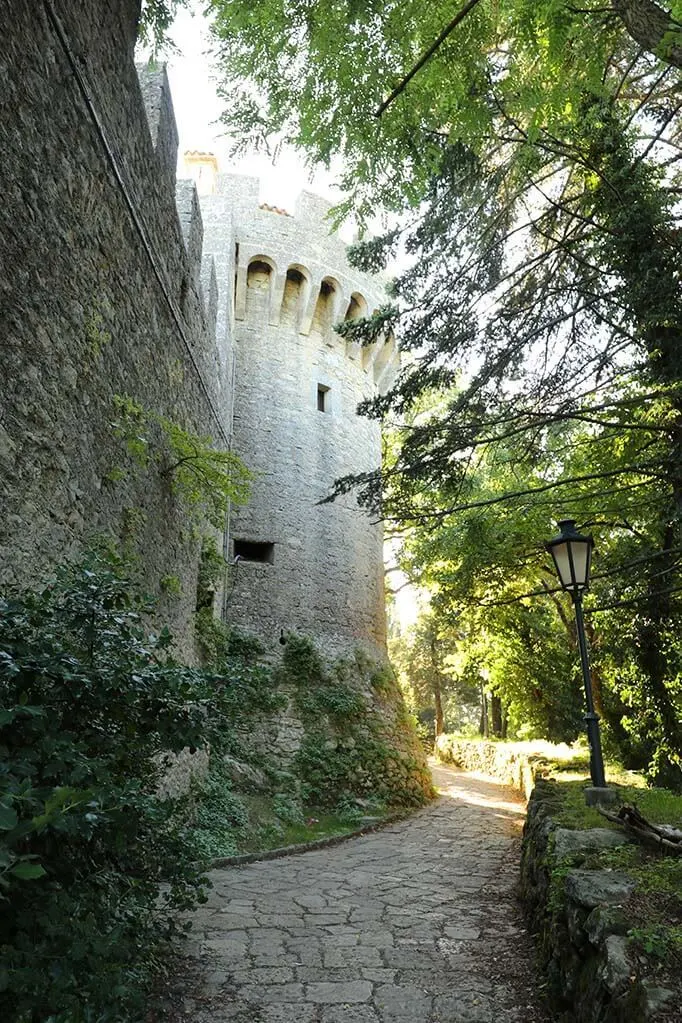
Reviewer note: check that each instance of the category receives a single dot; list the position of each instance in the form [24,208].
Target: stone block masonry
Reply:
[115,281]
[298,565]
[582,921]
[100,295]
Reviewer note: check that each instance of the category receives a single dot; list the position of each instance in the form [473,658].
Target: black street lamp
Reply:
[572,554]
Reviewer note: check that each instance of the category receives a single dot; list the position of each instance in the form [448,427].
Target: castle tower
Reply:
[298,566]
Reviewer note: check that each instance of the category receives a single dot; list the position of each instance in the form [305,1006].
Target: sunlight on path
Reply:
[416,923]
[477,790]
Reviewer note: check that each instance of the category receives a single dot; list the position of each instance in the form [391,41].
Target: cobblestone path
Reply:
[416,923]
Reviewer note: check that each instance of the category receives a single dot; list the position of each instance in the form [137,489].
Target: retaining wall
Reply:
[511,764]
[581,920]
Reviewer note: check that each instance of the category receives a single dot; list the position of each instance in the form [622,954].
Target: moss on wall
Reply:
[334,744]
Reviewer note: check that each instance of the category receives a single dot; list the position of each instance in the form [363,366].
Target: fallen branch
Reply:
[662,836]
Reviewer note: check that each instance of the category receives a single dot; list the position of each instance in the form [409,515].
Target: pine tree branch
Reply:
[638,469]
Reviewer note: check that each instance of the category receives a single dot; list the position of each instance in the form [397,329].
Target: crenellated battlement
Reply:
[285,283]
[190,274]
[292,273]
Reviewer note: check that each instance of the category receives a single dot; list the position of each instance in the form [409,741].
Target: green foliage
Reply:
[212,636]
[350,750]
[156,19]
[218,644]
[96,335]
[130,426]
[539,146]
[382,679]
[654,913]
[133,520]
[211,570]
[288,809]
[171,585]
[204,479]
[220,819]
[437,679]
[658,940]
[92,865]
[317,73]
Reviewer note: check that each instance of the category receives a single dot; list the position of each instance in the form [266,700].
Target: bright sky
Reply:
[198,109]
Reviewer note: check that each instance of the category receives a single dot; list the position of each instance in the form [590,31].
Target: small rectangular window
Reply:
[252,550]
[322,398]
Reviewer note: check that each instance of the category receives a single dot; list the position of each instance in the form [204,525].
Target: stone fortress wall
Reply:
[110,284]
[103,291]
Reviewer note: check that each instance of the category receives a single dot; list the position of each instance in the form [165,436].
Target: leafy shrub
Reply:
[205,479]
[221,816]
[288,809]
[348,810]
[92,864]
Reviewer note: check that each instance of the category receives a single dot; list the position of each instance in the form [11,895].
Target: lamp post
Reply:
[572,554]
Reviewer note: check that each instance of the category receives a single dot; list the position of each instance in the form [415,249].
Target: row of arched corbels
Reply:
[291,297]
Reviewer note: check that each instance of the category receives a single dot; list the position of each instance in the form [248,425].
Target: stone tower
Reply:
[296,565]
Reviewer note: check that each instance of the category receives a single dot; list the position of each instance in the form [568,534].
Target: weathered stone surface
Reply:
[349,1014]
[590,888]
[616,969]
[656,997]
[115,282]
[568,843]
[605,920]
[87,313]
[246,776]
[339,993]
[299,384]
[596,795]
[583,925]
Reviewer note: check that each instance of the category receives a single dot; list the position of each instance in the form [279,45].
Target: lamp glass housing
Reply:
[572,554]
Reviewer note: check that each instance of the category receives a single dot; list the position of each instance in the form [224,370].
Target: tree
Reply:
[317,73]
[539,147]
[428,662]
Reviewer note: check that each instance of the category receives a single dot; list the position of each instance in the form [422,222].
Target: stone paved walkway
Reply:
[416,923]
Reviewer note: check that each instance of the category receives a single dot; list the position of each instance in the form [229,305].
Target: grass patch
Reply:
[320,824]
[231,823]
[658,805]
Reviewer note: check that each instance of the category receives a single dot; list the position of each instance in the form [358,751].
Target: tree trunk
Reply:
[438,701]
[648,24]
[483,726]
[595,673]
[496,716]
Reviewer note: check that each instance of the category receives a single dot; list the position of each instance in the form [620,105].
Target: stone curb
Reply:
[317,843]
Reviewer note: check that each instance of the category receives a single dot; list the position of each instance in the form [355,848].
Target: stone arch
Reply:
[295,297]
[357,307]
[370,352]
[260,278]
[325,315]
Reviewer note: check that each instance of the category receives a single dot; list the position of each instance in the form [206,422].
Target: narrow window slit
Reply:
[252,550]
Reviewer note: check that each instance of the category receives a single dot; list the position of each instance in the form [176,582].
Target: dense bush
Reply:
[92,864]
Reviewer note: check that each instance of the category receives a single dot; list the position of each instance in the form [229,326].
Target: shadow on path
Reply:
[416,923]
